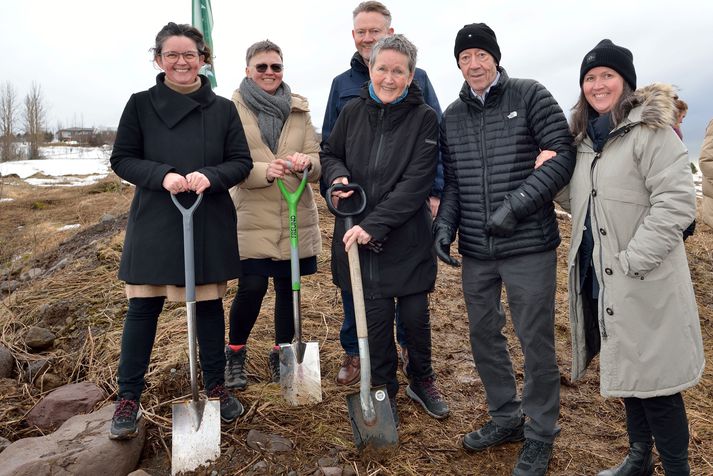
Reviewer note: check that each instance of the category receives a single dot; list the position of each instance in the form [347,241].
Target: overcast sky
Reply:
[88,56]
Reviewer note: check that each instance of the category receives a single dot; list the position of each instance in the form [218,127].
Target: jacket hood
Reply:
[653,106]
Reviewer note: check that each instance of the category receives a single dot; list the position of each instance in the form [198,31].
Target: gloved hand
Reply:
[443,236]
[502,222]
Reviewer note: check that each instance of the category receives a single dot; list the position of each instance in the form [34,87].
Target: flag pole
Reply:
[203,21]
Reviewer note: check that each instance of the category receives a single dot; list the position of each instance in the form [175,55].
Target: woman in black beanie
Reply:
[630,294]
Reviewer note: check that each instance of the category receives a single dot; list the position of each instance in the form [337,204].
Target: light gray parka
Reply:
[641,196]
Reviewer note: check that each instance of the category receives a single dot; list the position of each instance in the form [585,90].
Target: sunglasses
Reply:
[275,67]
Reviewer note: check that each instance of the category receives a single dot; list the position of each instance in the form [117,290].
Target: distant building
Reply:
[79,135]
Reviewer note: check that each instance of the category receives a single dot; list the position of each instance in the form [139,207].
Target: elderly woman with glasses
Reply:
[282,144]
[386,141]
[177,138]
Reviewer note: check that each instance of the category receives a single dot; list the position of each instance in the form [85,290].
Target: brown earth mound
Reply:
[77,296]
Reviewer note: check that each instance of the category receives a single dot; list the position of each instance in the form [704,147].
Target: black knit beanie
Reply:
[477,35]
[612,56]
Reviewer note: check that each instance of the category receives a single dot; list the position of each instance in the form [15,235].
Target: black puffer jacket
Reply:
[489,154]
[391,151]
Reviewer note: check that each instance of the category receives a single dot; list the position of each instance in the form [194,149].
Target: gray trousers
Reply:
[530,282]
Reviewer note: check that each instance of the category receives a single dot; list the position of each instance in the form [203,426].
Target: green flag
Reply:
[203,21]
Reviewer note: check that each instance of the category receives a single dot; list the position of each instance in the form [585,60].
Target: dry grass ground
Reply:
[83,303]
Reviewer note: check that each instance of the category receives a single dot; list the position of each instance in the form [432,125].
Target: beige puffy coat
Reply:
[706,165]
[641,196]
[262,211]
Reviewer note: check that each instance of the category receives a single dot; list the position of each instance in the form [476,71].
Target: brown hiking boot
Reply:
[350,371]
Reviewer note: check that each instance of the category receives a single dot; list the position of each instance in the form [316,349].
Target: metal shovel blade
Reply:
[196,434]
[301,382]
[378,434]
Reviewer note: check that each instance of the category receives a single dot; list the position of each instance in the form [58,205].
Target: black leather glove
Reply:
[502,222]
[443,236]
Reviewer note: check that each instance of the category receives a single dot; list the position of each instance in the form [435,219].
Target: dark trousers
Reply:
[530,282]
[248,301]
[664,419]
[348,334]
[382,350]
[138,337]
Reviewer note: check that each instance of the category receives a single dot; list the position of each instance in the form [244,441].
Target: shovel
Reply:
[369,410]
[196,422]
[300,376]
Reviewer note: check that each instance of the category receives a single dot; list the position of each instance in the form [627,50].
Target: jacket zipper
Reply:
[491,244]
[375,169]
[602,324]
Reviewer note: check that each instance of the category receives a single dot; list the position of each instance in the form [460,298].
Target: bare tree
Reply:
[8,116]
[34,120]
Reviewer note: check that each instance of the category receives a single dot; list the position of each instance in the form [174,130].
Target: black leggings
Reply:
[248,301]
[664,419]
[138,337]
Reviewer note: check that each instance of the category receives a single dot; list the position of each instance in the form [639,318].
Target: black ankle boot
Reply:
[639,462]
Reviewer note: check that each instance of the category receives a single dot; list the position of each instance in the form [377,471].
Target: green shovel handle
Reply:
[292,199]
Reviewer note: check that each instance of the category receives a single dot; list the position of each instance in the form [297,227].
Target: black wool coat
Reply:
[163,131]
[391,151]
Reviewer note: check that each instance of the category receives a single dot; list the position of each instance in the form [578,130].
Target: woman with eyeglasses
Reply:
[177,138]
[282,144]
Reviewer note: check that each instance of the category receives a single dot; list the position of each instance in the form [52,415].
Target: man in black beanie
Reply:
[501,206]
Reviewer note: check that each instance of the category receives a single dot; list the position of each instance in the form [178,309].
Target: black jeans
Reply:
[413,311]
[247,303]
[140,331]
[664,419]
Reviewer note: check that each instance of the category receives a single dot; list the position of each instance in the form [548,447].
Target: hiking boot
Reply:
[403,360]
[124,422]
[394,411]
[639,462]
[235,376]
[424,391]
[491,434]
[350,371]
[273,363]
[533,459]
[230,407]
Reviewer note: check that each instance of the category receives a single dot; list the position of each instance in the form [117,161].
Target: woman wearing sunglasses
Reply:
[282,144]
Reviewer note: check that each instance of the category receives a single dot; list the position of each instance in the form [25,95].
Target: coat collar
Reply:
[358,65]
[172,106]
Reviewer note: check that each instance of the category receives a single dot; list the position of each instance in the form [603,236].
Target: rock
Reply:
[80,446]
[259,468]
[349,471]
[64,403]
[59,265]
[139,472]
[31,274]
[9,286]
[331,471]
[39,338]
[467,379]
[48,381]
[107,217]
[327,461]
[7,362]
[4,443]
[260,441]
[35,368]
[54,313]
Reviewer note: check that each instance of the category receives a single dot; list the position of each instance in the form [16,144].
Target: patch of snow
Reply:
[69,227]
[6,199]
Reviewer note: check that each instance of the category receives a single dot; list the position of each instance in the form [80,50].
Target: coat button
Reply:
[594,193]
[608,271]
[610,311]
[602,231]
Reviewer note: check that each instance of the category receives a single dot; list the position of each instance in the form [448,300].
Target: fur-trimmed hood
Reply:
[652,105]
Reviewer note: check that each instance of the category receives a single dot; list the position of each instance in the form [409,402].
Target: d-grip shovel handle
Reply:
[340,187]
[190,272]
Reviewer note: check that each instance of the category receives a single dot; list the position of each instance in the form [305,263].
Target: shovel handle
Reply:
[190,272]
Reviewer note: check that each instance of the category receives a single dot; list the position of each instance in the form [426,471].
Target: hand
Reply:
[443,236]
[355,234]
[299,162]
[276,169]
[502,222]
[175,183]
[543,157]
[434,203]
[197,182]
[337,195]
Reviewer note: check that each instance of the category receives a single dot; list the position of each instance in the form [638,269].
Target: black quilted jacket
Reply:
[489,153]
